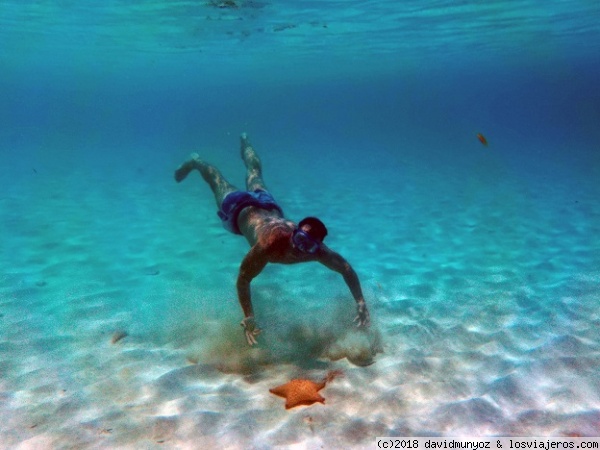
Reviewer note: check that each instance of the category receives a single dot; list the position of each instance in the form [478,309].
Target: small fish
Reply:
[482,139]
[118,335]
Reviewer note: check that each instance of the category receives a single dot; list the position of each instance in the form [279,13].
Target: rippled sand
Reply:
[119,322]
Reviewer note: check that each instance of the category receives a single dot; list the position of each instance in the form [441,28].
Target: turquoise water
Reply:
[480,264]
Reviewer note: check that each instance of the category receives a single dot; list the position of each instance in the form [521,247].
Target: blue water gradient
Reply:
[480,263]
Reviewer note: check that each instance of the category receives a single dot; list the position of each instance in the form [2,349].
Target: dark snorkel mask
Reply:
[305,242]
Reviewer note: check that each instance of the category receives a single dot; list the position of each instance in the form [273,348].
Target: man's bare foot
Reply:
[183,171]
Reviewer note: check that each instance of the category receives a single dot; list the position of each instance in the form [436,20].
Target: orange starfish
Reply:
[303,392]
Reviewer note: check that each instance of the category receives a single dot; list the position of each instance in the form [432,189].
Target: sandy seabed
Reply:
[119,322]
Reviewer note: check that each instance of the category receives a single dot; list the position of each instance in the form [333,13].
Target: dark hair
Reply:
[317,228]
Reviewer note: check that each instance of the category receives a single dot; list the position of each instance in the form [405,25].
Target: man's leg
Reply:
[217,182]
[253,166]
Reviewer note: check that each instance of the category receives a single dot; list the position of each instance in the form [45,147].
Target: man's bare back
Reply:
[273,239]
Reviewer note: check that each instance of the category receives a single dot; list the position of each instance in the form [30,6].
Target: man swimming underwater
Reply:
[273,239]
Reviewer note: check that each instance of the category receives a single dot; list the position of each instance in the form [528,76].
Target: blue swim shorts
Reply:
[234,202]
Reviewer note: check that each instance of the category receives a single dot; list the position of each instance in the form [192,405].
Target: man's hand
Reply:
[251,330]
[363,319]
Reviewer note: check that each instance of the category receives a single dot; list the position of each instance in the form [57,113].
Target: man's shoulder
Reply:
[274,235]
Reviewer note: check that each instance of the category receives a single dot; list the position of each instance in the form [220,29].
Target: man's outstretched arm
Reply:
[337,263]
[253,264]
